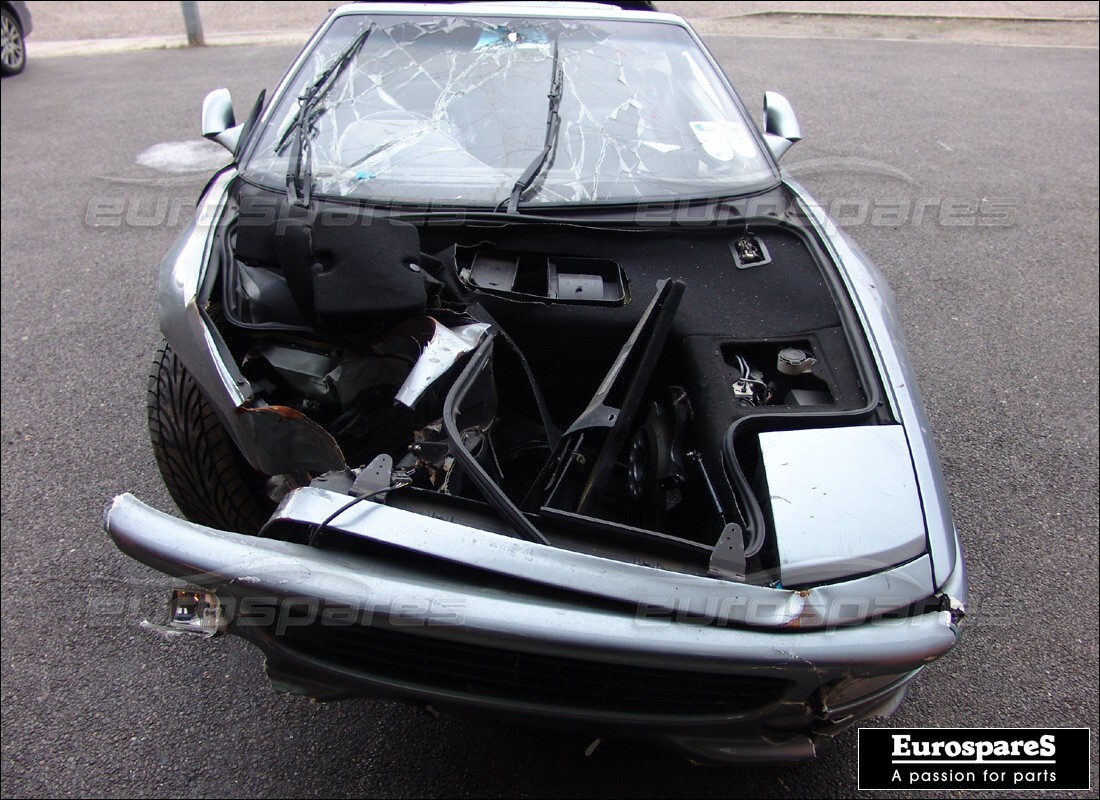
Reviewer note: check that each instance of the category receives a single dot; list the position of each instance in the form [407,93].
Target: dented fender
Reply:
[273,439]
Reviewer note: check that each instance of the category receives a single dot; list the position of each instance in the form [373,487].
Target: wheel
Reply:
[13,53]
[204,471]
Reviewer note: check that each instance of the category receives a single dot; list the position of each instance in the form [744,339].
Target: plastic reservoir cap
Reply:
[793,361]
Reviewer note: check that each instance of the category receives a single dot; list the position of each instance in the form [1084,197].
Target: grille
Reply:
[549,680]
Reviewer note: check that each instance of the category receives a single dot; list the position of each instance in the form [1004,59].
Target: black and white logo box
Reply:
[1007,759]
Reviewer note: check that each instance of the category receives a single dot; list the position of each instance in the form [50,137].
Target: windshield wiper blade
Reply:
[320,87]
[297,133]
[553,122]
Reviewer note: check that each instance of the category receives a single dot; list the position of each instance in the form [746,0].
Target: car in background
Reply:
[506,371]
[15,27]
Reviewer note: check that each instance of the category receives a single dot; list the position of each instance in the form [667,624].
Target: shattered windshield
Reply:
[460,111]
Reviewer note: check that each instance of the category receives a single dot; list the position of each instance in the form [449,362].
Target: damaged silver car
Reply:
[506,372]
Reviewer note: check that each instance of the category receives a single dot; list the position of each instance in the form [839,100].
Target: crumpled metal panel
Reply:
[441,352]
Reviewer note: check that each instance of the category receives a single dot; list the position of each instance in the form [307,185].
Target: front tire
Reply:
[13,48]
[204,471]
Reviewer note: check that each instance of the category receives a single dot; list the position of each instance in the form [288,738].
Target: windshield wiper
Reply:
[553,122]
[299,180]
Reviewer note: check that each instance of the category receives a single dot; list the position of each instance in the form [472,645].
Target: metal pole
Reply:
[192,23]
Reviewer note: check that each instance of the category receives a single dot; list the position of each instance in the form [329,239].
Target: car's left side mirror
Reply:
[780,124]
[218,122]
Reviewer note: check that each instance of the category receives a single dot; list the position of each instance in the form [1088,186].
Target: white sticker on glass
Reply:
[723,139]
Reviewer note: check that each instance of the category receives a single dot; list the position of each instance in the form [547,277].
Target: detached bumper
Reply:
[433,611]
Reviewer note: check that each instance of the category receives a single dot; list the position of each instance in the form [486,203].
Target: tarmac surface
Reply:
[969,174]
[73,28]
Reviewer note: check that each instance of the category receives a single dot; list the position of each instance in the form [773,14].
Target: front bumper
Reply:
[433,611]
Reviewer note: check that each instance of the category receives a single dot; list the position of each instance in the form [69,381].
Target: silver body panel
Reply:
[843,501]
[874,303]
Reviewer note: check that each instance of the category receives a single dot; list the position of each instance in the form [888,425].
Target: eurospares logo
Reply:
[1022,759]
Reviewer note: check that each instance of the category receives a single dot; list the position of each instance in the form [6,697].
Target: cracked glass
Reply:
[453,111]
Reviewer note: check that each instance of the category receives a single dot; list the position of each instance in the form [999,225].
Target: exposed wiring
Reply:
[763,393]
[319,528]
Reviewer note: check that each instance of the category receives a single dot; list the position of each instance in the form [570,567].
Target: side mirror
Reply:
[780,124]
[218,122]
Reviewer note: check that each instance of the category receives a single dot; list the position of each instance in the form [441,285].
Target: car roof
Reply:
[625,5]
[551,10]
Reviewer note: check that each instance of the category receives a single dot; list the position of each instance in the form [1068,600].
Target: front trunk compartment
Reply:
[601,388]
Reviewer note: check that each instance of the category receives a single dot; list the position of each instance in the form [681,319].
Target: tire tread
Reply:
[208,478]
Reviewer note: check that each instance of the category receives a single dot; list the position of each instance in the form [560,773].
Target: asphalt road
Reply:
[1000,307]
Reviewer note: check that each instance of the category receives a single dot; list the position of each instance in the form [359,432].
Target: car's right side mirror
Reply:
[780,124]
[218,122]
